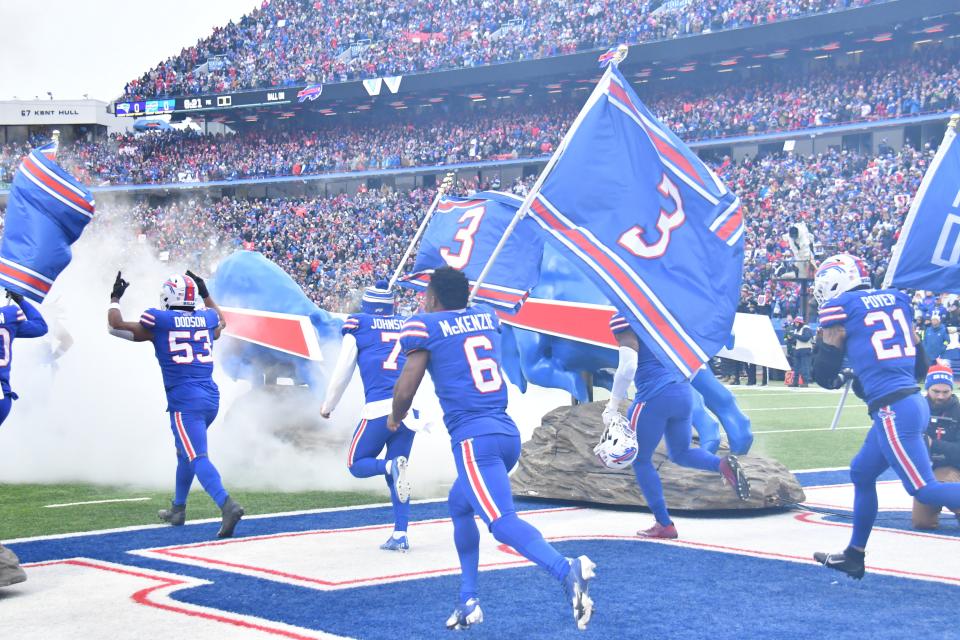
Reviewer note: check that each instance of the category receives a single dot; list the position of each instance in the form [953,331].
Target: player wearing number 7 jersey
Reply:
[872,328]
[371,340]
[182,336]
[460,346]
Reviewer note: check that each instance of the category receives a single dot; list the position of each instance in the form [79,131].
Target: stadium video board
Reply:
[213,102]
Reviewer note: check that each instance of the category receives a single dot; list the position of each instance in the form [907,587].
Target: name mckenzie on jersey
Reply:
[467,324]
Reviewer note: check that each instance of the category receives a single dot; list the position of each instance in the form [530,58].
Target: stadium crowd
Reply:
[288,42]
[927,81]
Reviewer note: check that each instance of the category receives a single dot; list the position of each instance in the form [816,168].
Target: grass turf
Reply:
[789,425]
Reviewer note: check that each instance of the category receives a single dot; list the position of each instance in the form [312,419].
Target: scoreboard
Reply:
[211,102]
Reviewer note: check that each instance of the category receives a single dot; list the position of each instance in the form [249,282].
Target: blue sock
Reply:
[401,510]
[649,481]
[210,479]
[466,537]
[865,507]
[184,480]
[697,459]
[368,467]
[527,540]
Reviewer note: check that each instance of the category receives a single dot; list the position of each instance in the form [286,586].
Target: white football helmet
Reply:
[618,445]
[178,291]
[839,274]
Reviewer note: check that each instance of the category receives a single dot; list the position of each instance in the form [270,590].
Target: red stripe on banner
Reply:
[731,225]
[356,439]
[891,431]
[577,323]
[663,146]
[476,481]
[184,438]
[636,295]
[25,278]
[446,206]
[42,176]
[500,295]
[280,333]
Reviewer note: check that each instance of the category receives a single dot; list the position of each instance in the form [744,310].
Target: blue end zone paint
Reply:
[648,589]
[902,520]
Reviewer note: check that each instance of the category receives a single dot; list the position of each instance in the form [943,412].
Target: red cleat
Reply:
[667,532]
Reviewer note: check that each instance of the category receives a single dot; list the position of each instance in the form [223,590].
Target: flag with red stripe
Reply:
[648,222]
[46,212]
[463,234]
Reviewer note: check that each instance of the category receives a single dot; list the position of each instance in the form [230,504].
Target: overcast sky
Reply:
[94,47]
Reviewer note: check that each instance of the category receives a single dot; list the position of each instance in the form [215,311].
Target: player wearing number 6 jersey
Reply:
[872,328]
[371,340]
[460,346]
[182,335]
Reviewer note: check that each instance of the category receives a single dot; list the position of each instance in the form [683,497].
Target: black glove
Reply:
[201,285]
[119,286]
[16,297]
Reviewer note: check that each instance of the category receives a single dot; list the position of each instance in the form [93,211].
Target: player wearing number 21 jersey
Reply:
[371,342]
[460,346]
[182,335]
[872,328]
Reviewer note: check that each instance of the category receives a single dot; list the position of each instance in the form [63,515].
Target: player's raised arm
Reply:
[204,294]
[133,331]
[33,326]
[406,386]
[342,373]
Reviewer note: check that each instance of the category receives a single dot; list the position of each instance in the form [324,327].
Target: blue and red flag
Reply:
[46,212]
[463,234]
[648,222]
[927,253]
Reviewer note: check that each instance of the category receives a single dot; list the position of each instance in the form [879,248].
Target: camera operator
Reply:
[802,352]
[943,439]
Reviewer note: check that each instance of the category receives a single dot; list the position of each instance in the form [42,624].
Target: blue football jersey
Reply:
[16,322]
[183,343]
[651,376]
[464,349]
[879,338]
[379,354]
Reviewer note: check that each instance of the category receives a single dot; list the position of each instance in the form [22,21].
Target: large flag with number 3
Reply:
[648,222]
[927,254]
[463,234]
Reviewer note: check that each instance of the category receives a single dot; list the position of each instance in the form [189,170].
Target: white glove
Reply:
[611,415]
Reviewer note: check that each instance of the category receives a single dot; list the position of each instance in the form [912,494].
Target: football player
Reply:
[18,320]
[182,333]
[663,406]
[872,328]
[460,346]
[371,340]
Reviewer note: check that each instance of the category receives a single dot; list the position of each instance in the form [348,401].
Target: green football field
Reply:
[790,425]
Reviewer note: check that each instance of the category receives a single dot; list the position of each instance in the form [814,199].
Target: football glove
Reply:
[16,297]
[119,286]
[201,285]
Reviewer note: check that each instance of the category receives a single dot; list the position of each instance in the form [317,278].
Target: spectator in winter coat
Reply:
[943,439]
[935,338]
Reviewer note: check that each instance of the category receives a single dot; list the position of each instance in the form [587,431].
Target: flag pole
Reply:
[843,401]
[535,189]
[948,138]
[441,191]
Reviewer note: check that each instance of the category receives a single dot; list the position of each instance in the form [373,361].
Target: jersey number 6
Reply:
[481,368]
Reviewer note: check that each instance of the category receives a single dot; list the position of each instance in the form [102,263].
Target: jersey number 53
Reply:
[187,347]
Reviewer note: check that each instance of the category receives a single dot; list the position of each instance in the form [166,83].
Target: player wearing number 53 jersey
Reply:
[873,329]
[371,341]
[460,346]
[182,335]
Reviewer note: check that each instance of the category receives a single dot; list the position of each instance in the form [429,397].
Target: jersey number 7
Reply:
[391,364]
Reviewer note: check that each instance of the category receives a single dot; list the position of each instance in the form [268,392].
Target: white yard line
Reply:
[819,406]
[78,504]
[814,429]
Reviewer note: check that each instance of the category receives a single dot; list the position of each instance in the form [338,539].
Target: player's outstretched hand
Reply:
[393,425]
[201,285]
[119,286]
[16,297]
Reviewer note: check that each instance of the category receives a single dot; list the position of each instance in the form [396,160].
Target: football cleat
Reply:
[175,515]
[398,472]
[10,570]
[232,512]
[850,564]
[666,532]
[465,615]
[733,474]
[400,544]
[576,586]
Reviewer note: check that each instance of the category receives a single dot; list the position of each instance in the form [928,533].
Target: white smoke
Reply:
[101,417]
